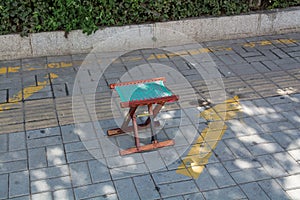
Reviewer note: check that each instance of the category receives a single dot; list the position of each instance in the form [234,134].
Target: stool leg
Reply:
[153,135]
[136,135]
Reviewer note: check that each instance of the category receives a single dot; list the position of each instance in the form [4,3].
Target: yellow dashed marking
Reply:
[27,92]
[285,41]
[13,69]
[63,64]
[151,57]
[264,43]
[205,50]
[53,65]
[3,70]
[201,151]
[250,44]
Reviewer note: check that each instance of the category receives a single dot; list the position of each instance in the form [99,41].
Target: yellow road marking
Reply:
[201,150]
[27,92]
[13,69]
[3,70]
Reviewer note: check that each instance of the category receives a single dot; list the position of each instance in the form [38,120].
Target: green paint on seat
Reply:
[143,91]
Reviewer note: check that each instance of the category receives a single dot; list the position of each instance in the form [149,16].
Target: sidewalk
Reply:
[252,151]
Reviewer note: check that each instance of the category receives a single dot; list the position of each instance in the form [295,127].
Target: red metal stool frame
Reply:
[133,105]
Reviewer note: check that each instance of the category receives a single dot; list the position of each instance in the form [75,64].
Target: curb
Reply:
[201,29]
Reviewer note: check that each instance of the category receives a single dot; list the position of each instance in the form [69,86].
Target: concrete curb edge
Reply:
[201,29]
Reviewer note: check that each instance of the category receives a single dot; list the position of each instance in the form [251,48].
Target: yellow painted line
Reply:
[269,42]
[285,41]
[201,150]
[15,69]
[27,92]
[59,65]
[3,70]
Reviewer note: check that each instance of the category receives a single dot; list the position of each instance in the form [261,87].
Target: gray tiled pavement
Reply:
[42,155]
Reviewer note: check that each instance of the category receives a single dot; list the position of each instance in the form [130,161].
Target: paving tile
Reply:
[3,97]
[271,166]
[126,189]
[110,148]
[27,197]
[289,182]
[154,161]
[37,158]
[4,186]
[263,106]
[43,195]
[99,171]
[189,132]
[41,142]
[14,166]
[241,164]
[3,142]
[254,191]
[220,175]
[260,67]
[273,189]
[205,181]
[240,129]
[271,65]
[49,172]
[170,157]
[294,194]
[195,196]
[295,154]
[237,148]
[283,139]
[227,193]
[13,156]
[63,194]
[128,171]
[293,117]
[75,146]
[249,175]
[105,197]
[80,174]
[79,156]
[50,184]
[223,152]
[16,141]
[168,177]
[90,191]
[41,133]
[287,162]
[18,184]
[119,161]
[178,188]
[269,118]
[264,148]
[55,155]
[146,187]
[177,135]
[175,198]
[256,139]
[284,107]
